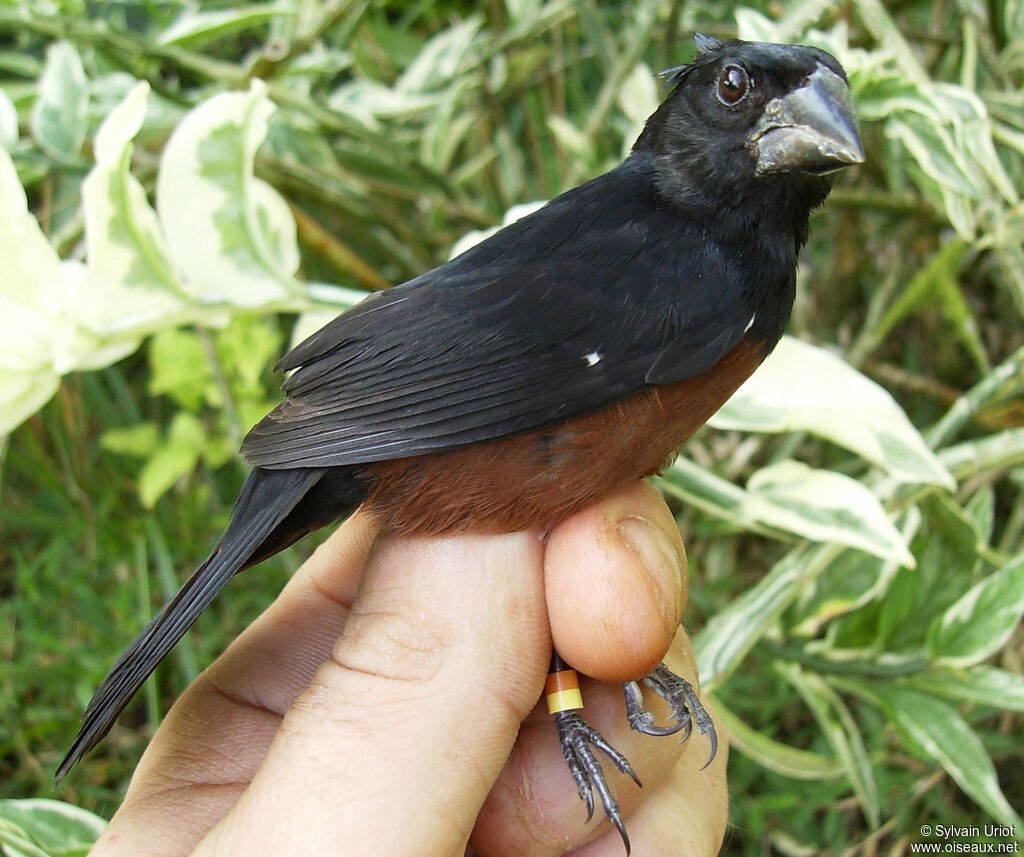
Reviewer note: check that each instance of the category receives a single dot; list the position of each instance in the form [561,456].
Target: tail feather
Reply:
[266,499]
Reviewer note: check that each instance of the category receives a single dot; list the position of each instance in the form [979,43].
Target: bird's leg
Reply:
[682,699]
[579,739]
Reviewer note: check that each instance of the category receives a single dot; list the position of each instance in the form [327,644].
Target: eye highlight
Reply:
[733,84]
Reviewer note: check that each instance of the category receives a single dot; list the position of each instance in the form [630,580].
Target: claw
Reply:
[576,737]
[713,739]
[681,698]
[642,720]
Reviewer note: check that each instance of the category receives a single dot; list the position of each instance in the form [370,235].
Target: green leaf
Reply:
[181,369]
[138,441]
[952,523]
[245,348]
[475,236]
[60,118]
[176,458]
[982,619]
[774,755]
[230,233]
[47,828]
[980,511]
[801,387]
[935,730]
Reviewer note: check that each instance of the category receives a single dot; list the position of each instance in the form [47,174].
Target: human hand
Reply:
[386,703]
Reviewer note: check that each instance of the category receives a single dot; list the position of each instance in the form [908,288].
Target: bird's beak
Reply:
[810,130]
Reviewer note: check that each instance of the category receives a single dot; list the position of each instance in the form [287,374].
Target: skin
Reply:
[381,688]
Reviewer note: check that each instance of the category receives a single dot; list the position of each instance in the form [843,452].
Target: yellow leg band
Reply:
[562,691]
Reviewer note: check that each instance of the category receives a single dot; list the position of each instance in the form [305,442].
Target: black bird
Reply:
[570,353]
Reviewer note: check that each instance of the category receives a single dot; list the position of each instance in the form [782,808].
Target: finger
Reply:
[534,809]
[216,735]
[402,733]
[615,578]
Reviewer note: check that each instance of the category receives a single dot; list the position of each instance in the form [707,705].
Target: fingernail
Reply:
[660,559]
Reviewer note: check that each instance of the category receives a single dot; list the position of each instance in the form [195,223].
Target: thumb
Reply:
[401,734]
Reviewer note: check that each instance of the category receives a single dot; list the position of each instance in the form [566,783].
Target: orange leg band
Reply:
[562,691]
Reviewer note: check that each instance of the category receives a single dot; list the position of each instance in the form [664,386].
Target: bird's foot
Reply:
[682,699]
[577,737]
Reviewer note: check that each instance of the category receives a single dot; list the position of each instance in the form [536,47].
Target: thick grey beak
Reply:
[810,130]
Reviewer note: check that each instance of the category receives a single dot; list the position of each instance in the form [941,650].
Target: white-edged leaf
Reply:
[934,150]
[369,101]
[828,507]
[801,387]
[849,582]
[441,57]
[790,497]
[973,133]
[937,730]
[230,233]
[723,642]
[194,28]
[841,732]
[774,755]
[8,122]
[752,26]
[888,93]
[132,288]
[978,623]
[60,116]
[574,141]
[638,98]
[981,684]
[37,344]
[22,391]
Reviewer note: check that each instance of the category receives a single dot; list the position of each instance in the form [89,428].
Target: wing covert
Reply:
[551,318]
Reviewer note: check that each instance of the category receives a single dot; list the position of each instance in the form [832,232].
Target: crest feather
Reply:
[705,44]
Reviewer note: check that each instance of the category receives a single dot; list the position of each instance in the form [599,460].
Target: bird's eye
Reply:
[733,84]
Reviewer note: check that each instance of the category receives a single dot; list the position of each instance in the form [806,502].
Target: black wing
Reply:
[600,294]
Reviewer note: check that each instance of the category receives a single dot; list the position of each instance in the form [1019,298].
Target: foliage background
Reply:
[859,581]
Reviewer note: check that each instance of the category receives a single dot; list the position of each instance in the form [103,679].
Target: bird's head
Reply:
[752,119]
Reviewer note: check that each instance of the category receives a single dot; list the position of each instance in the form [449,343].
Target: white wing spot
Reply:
[750,323]
[593,358]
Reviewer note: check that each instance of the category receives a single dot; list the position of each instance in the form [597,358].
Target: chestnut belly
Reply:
[534,480]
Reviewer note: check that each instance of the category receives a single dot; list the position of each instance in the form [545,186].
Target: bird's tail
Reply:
[267,498]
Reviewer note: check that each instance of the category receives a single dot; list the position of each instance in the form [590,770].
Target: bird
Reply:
[568,354]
